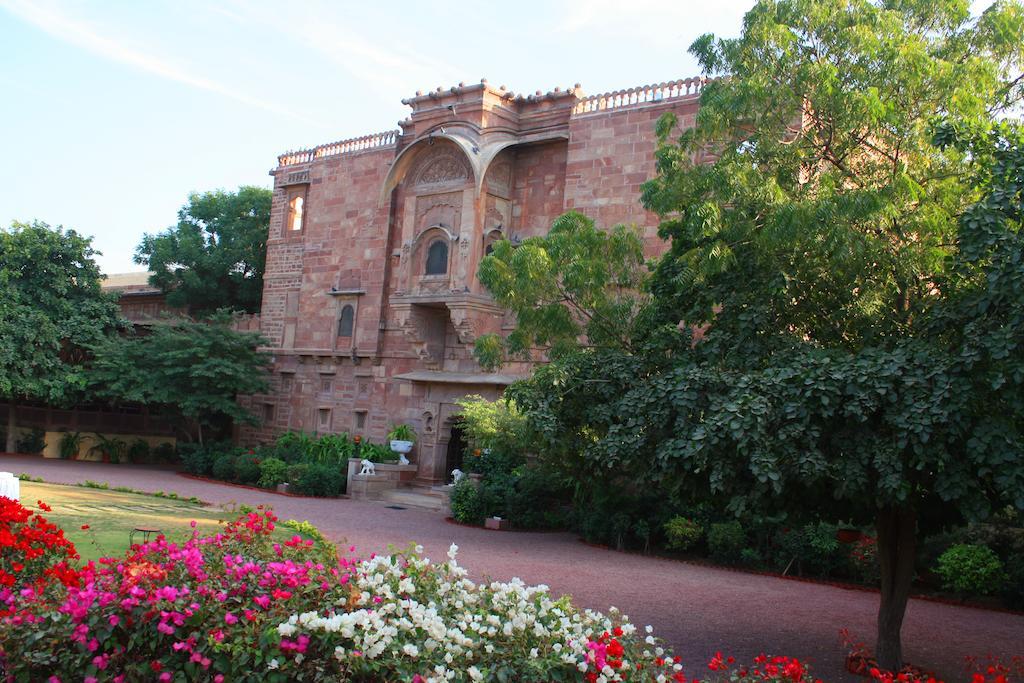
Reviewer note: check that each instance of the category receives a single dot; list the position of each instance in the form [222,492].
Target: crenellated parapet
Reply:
[540,110]
[373,141]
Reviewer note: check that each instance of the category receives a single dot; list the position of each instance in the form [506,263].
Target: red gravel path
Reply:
[698,610]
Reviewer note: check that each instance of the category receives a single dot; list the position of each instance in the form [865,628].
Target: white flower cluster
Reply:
[410,617]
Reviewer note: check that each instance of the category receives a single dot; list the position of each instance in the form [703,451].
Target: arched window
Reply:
[437,258]
[295,213]
[346,321]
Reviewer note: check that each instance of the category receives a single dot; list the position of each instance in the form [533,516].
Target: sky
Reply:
[113,111]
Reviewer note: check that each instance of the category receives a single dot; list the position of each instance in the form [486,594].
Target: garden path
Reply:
[697,609]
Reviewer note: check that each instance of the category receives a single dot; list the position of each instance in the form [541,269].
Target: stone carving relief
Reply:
[463,259]
[439,209]
[445,166]
[464,325]
[499,178]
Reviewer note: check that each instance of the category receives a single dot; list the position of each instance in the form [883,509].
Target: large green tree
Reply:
[858,275]
[51,311]
[194,370]
[576,284]
[214,257]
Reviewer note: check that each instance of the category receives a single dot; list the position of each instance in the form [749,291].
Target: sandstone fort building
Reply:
[371,302]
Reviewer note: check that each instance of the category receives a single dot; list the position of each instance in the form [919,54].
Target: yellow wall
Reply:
[52,449]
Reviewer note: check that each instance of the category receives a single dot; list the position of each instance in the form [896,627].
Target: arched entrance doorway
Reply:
[456,450]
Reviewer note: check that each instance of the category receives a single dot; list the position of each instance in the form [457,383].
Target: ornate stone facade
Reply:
[394,226]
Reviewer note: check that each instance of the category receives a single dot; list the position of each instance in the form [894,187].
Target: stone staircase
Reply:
[425,497]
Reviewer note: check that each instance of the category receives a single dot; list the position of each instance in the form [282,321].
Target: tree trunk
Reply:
[11,426]
[199,430]
[897,540]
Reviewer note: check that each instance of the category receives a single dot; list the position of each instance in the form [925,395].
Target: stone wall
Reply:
[471,165]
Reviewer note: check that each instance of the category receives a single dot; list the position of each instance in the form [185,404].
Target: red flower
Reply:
[85,527]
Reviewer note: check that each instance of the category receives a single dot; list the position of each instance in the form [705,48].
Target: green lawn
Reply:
[111,516]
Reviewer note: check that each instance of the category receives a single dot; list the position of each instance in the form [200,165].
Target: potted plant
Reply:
[70,442]
[402,438]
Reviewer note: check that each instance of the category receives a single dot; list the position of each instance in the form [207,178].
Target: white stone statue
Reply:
[369,469]
[457,476]
[402,460]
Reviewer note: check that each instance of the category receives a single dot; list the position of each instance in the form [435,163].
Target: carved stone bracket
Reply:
[474,317]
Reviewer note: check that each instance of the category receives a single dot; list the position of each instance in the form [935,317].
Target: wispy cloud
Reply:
[72,30]
[368,51]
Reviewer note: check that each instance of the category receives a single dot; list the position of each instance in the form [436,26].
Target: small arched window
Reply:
[437,258]
[346,321]
[295,213]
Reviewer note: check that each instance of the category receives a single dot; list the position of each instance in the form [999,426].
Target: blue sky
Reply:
[114,111]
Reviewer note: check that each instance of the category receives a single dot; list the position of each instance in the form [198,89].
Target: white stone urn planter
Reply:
[403,447]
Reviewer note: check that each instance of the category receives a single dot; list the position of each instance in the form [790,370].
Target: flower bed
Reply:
[238,606]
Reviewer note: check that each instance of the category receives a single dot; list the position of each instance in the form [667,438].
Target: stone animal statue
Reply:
[369,469]
[457,476]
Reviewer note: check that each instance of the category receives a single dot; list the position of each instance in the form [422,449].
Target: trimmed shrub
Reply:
[295,472]
[682,533]
[196,459]
[273,471]
[321,480]
[247,468]
[164,452]
[139,451]
[726,541]
[467,505]
[971,569]
[224,467]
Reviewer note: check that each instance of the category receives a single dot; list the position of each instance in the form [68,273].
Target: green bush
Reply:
[332,449]
[377,452]
[726,541]
[247,468]
[294,446]
[139,451]
[749,557]
[224,467]
[321,480]
[466,503]
[196,459]
[812,549]
[32,441]
[295,472]
[535,499]
[1013,588]
[164,452]
[971,569]
[681,533]
[273,471]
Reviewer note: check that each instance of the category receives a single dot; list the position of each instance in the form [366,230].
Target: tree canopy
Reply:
[577,282]
[214,257]
[844,226]
[193,369]
[51,311]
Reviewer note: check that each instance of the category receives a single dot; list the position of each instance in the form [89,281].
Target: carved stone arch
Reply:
[422,243]
[498,179]
[411,156]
